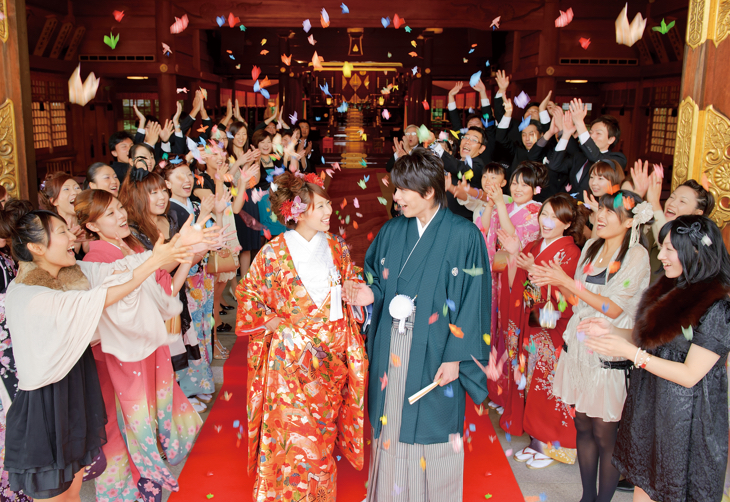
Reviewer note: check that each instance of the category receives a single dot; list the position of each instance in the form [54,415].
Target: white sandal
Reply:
[493,405]
[540,461]
[500,410]
[524,454]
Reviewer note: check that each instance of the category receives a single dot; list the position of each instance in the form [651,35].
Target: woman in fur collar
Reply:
[55,426]
[673,440]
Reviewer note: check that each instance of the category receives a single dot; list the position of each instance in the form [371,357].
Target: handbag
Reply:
[221,261]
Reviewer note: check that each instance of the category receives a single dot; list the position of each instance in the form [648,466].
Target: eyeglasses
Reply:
[473,139]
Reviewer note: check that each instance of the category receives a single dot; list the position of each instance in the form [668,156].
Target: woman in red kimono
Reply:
[529,401]
[306,356]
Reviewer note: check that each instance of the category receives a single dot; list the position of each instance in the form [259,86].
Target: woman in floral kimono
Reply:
[519,218]
[152,406]
[306,357]
[531,404]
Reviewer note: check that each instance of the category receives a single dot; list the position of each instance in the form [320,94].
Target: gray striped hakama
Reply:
[401,476]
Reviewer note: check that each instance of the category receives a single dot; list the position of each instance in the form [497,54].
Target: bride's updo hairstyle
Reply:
[21,225]
[285,190]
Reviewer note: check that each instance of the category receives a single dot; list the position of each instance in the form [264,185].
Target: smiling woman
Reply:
[54,307]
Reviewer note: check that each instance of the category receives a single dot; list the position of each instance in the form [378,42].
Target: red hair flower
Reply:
[313,178]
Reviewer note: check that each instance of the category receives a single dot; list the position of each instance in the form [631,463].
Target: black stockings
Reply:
[595,440]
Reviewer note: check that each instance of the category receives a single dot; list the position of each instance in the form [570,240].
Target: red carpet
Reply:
[217,464]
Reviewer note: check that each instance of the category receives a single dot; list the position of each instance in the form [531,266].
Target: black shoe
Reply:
[224,328]
[625,486]
[227,307]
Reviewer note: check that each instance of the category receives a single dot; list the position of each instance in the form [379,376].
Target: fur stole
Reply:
[665,308]
[69,278]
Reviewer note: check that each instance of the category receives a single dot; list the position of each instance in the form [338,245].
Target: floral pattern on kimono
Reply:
[197,378]
[527,229]
[535,409]
[306,378]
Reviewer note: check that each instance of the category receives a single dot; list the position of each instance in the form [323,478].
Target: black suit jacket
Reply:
[490,132]
[453,166]
[583,157]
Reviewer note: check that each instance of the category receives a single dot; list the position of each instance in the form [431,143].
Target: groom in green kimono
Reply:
[429,285]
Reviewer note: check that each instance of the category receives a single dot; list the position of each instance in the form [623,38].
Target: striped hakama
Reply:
[412,472]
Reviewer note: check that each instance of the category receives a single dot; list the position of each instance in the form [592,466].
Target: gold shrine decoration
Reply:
[8,149]
[703,148]
[707,20]
[3,21]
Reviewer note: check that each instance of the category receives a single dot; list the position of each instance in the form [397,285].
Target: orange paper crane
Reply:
[286,59]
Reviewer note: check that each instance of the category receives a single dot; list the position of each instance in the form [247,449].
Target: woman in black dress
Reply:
[55,426]
[673,439]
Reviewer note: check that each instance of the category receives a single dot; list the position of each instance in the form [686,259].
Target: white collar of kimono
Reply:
[516,208]
[188,204]
[422,228]
[315,267]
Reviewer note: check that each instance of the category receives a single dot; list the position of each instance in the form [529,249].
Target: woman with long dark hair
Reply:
[54,306]
[612,272]
[673,440]
[145,197]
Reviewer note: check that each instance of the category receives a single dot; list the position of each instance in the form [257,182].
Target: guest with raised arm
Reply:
[612,272]
[590,147]
[483,119]
[54,306]
[134,363]
[673,439]
[535,326]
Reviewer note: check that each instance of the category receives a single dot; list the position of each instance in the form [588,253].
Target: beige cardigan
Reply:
[51,328]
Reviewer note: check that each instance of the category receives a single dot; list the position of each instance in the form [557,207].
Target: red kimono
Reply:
[533,351]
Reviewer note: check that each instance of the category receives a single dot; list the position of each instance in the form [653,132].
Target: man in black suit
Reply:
[472,145]
[409,142]
[475,119]
[589,147]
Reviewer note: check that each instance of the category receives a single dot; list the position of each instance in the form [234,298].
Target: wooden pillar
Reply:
[17,155]
[516,48]
[547,57]
[166,79]
[426,78]
[286,98]
[703,129]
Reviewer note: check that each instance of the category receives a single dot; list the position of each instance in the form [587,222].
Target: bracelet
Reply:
[643,364]
[479,193]
[638,349]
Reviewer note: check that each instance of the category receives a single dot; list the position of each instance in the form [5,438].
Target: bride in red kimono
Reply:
[530,404]
[306,356]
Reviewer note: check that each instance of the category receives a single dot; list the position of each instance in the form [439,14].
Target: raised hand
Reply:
[164,253]
[568,124]
[544,103]
[167,131]
[640,177]
[237,113]
[509,242]
[176,117]
[507,107]
[455,90]
[140,116]
[578,111]
[526,262]
[654,193]
[590,201]
[502,81]
[480,87]
[398,148]
[153,133]
[222,199]
[207,204]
